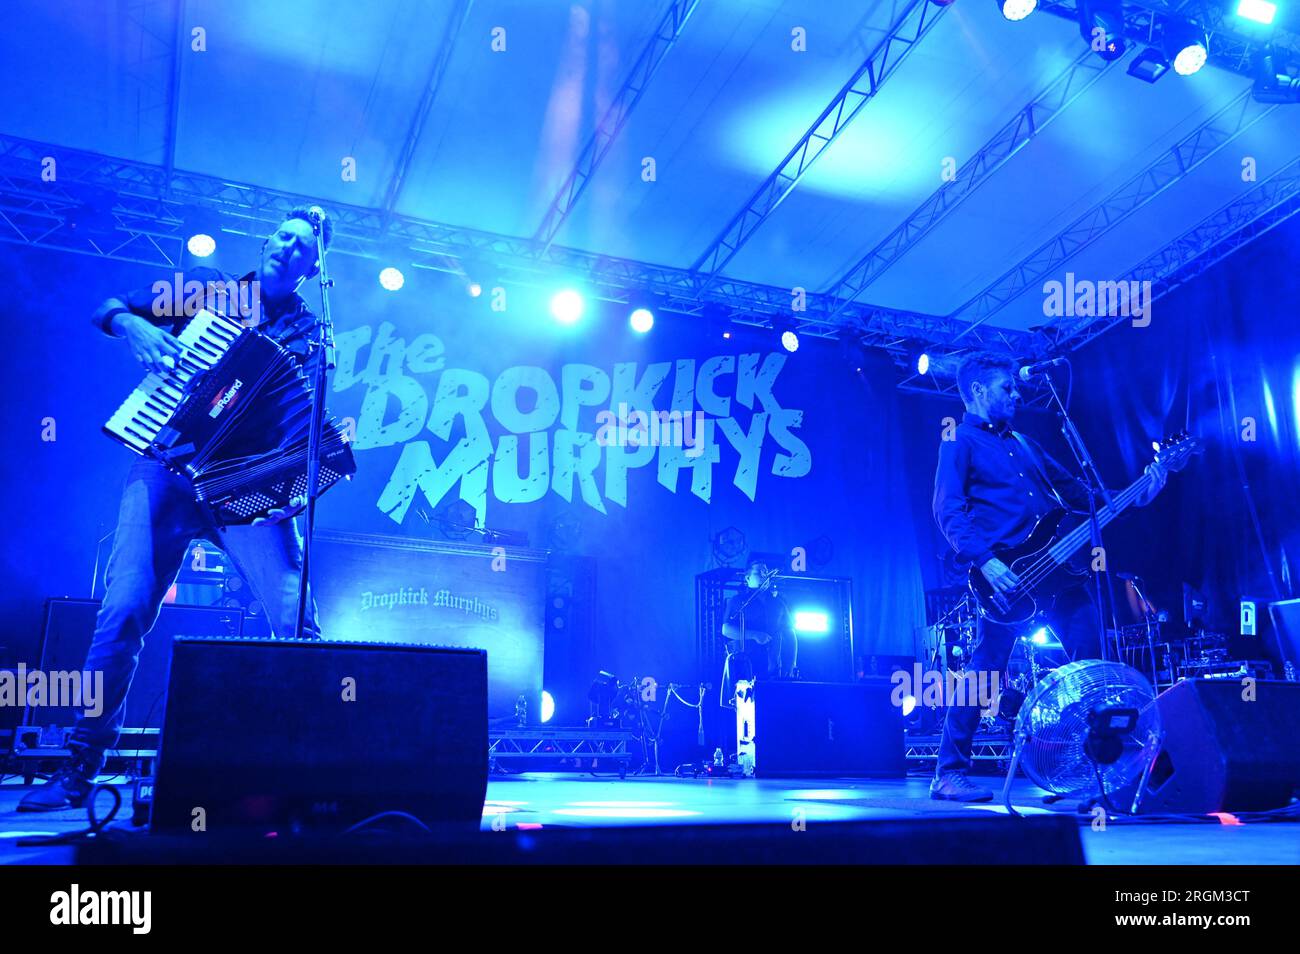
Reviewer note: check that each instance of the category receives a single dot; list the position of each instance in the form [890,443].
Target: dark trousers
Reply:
[157,520]
[776,657]
[1074,620]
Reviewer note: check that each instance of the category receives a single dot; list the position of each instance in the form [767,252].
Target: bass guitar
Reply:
[1042,559]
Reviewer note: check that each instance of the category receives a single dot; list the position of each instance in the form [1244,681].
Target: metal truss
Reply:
[992,156]
[1206,140]
[861,88]
[542,744]
[611,124]
[1270,203]
[451,31]
[984,748]
[1228,49]
[179,42]
[134,212]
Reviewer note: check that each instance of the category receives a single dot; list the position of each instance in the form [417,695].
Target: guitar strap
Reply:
[1038,466]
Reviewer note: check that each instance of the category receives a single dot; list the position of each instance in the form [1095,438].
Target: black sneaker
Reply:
[957,787]
[68,787]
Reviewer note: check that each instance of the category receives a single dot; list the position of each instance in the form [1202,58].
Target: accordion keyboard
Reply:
[149,408]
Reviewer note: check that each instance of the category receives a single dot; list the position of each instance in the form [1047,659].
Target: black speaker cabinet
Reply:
[828,729]
[69,625]
[289,735]
[1223,753]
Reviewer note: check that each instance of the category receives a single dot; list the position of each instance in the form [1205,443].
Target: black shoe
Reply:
[957,787]
[68,787]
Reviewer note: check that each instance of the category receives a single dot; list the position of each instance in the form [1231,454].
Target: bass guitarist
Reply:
[991,488]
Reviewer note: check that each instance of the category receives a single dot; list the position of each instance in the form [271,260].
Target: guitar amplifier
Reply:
[827,729]
[69,625]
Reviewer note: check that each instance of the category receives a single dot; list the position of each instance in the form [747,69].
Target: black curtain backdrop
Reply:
[827,462]
[1221,359]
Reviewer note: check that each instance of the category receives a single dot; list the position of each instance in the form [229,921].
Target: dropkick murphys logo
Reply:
[407,596]
[466,604]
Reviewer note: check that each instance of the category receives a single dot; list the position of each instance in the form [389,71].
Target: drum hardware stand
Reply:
[1151,639]
[320,348]
[1095,487]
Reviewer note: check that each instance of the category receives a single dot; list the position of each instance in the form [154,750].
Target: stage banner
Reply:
[395,589]
[659,455]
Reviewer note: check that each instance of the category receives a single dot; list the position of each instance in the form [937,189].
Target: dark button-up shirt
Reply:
[767,613]
[989,491]
[170,304]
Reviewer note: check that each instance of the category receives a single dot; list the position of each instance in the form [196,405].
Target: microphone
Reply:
[1033,370]
[316,214]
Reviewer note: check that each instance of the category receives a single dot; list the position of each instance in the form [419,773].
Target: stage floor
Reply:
[569,800]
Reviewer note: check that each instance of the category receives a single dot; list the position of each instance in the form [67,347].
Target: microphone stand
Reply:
[1095,486]
[320,350]
[1151,639]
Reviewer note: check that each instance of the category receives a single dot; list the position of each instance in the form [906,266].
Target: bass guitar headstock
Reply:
[1174,452]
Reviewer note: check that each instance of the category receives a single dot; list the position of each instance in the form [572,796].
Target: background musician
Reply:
[159,514]
[991,487]
[768,631]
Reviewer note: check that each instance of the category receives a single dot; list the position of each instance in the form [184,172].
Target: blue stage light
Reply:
[811,621]
[1017,9]
[790,341]
[391,279]
[548,706]
[641,320]
[201,245]
[923,363]
[1184,46]
[1260,11]
[566,306]
[909,704]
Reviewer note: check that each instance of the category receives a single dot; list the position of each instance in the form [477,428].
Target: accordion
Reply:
[232,417]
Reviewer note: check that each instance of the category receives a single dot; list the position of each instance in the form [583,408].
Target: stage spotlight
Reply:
[474,289]
[548,706]
[201,245]
[790,340]
[1274,85]
[1101,24]
[923,363]
[909,704]
[391,278]
[641,320]
[811,621]
[1260,11]
[1015,10]
[1149,65]
[566,306]
[1184,47]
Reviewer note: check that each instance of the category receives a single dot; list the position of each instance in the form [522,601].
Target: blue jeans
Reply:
[1075,619]
[156,522]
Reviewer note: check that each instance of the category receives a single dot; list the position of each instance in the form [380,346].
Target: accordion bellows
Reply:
[232,417]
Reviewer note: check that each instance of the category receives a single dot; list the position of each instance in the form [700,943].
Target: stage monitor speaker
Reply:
[69,626]
[1224,753]
[295,735]
[827,729]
